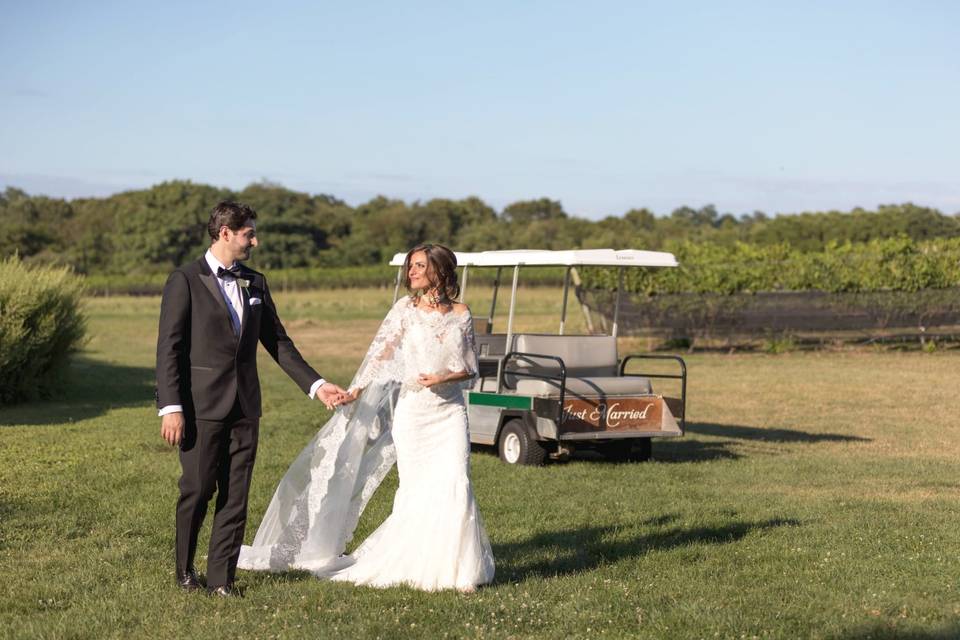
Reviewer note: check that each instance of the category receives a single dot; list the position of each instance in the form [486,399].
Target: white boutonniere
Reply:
[243,282]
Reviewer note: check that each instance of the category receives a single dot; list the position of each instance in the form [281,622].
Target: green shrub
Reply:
[776,345]
[40,326]
[892,264]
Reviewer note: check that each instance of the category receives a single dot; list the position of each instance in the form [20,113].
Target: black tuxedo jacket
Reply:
[201,363]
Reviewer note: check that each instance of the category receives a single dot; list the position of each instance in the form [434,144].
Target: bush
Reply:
[893,264]
[40,326]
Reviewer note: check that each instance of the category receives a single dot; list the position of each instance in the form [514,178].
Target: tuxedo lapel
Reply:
[210,282]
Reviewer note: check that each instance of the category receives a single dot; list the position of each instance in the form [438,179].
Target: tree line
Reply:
[153,230]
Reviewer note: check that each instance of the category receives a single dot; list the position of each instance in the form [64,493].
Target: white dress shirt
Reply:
[230,290]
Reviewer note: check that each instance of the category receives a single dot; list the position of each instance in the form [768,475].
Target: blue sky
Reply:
[605,106]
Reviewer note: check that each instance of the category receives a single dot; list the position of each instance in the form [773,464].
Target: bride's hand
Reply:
[429,379]
[347,397]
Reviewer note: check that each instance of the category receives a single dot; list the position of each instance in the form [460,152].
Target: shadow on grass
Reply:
[577,550]
[685,449]
[664,450]
[92,387]
[768,435]
[673,450]
[692,450]
[668,450]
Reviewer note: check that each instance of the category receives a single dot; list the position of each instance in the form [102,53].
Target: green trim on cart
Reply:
[500,400]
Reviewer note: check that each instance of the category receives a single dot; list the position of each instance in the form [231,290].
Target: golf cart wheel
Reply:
[517,447]
[638,450]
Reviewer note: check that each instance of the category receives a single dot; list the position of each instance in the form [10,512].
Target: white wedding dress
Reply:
[434,538]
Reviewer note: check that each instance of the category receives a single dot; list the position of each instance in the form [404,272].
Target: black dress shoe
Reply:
[224,591]
[188,581]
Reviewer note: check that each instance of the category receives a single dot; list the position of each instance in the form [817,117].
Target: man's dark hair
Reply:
[230,214]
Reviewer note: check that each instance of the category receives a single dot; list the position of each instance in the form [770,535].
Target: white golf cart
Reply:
[544,395]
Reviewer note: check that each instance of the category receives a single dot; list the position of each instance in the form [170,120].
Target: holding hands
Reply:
[331,395]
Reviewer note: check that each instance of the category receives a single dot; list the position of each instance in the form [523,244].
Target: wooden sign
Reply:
[617,414]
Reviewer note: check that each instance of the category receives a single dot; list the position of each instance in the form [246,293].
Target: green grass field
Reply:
[814,495]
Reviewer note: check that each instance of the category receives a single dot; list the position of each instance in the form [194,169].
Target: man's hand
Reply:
[171,428]
[330,394]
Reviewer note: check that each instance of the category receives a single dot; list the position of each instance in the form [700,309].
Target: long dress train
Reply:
[434,538]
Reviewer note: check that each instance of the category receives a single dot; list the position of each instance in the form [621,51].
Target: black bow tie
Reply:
[232,272]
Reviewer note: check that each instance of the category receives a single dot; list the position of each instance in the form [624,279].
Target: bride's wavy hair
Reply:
[441,271]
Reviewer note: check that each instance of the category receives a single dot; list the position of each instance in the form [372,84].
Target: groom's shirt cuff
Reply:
[313,388]
[174,408]
[170,408]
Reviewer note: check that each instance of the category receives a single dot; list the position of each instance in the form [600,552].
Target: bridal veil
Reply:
[318,503]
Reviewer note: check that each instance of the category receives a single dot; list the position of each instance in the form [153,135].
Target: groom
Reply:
[213,313]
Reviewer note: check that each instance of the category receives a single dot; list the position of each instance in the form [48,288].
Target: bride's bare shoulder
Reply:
[460,309]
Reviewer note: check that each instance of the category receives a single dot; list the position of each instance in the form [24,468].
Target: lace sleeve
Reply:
[383,361]
[463,353]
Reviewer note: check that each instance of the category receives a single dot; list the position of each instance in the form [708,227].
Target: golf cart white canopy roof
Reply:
[571,258]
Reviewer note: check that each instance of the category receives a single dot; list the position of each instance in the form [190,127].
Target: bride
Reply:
[404,405]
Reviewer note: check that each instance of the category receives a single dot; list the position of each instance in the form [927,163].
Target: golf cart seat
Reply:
[590,363]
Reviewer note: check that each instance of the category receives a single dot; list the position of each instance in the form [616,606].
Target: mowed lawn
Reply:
[814,495]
